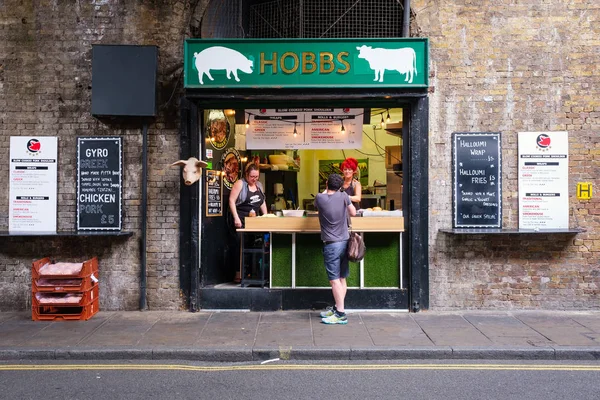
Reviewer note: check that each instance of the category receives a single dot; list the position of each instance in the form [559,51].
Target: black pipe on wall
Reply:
[144,215]
[406,19]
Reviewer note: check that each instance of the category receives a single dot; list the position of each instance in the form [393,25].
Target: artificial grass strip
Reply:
[282,260]
[310,268]
[382,260]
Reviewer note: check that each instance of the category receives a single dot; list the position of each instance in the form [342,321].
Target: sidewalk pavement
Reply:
[300,335]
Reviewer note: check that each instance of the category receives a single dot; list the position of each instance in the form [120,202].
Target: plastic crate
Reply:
[57,313]
[88,268]
[64,299]
[68,285]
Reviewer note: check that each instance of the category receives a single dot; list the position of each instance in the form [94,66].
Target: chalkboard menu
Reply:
[99,182]
[214,193]
[477,185]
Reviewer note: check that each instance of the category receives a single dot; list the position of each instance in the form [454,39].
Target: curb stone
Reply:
[304,353]
[502,353]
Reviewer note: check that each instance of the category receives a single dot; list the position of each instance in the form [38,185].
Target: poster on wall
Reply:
[33,184]
[327,167]
[304,128]
[543,180]
[232,167]
[217,129]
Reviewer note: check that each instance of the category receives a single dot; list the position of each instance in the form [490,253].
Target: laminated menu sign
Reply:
[33,184]
[543,180]
[99,183]
[304,128]
[477,186]
[214,193]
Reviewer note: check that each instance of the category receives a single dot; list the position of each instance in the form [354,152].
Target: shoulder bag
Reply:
[356,245]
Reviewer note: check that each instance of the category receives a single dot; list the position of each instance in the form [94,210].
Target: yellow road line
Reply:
[292,367]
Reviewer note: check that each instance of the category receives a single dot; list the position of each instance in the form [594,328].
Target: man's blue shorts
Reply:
[336,260]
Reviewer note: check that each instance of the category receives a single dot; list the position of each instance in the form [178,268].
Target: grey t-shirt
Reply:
[333,216]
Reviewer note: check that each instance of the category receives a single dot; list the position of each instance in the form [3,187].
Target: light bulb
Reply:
[388,119]
[295,132]
[343,130]
[248,122]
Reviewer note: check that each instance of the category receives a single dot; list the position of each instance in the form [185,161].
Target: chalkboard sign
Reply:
[214,193]
[477,167]
[99,182]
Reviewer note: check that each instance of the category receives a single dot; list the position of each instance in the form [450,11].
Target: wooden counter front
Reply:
[311,224]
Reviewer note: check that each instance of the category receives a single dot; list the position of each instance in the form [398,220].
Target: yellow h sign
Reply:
[584,190]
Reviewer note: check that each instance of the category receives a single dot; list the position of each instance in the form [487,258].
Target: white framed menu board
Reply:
[304,128]
[543,180]
[33,183]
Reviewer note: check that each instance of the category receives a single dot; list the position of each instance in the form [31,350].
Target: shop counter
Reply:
[296,259]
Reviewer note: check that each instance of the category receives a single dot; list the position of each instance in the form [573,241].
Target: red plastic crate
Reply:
[68,285]
[64,299]
[88,268]
[57,313]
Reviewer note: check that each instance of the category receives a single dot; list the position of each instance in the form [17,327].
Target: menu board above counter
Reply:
[477,185]
[304,128]
[99,183]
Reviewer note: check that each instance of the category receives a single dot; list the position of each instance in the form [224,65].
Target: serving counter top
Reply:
[311,224]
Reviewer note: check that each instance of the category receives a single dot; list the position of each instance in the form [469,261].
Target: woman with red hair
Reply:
[351,185]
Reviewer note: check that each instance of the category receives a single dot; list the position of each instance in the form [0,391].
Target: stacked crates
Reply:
[64,291]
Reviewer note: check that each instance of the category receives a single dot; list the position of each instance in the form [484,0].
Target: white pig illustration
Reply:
[219,57]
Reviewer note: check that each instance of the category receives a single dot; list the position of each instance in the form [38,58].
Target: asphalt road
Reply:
[277,380]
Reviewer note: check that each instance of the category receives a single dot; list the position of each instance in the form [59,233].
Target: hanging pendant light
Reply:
[382,121]
[388,119]
[248,122]
[295,132]
[342,130]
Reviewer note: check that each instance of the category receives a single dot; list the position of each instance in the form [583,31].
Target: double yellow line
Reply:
[294,367]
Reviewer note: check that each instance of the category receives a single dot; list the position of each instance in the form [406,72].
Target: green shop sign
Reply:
[301,63]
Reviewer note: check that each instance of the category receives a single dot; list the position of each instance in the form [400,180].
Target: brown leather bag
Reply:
[356,245]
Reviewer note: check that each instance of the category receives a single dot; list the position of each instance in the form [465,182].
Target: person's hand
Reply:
[237,222]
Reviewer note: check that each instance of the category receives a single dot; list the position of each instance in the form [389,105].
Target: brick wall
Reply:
[495,66]
[514,66]
[45,89]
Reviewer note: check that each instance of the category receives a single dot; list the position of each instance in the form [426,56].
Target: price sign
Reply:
[214,193]
[99,182]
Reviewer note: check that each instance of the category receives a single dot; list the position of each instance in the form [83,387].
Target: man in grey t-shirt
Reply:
[334,207]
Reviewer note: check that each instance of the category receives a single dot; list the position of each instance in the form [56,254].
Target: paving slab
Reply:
[589,321]
[20,329]
[450,330]
[287,329]
[122,329]
[176,329]
[353,334]
[393,329]
[507,330]
[68,333]
[229,329]
[561,330]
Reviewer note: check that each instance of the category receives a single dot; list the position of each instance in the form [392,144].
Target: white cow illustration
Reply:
[219,57]
[403,60]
